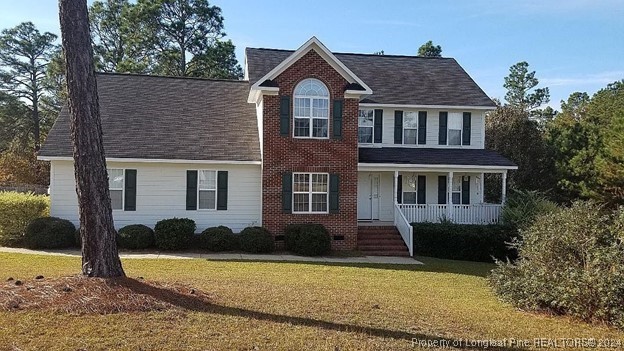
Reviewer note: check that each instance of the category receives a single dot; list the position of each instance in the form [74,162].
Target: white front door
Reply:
[374,195]
[368,196]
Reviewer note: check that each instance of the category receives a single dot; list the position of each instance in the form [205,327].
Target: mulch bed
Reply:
[83,295]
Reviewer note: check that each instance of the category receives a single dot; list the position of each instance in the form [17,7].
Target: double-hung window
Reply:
[116,188]
[310,192]
[311,109]
[410,188]
[366,123]
[410,127]
[455,126]
[207,190]
[456,191]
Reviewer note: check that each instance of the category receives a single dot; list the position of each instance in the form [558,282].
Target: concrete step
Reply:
[387,253]
[379,237]
[369,244]
[385,247]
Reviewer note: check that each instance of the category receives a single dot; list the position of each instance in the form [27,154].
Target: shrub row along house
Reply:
[309,136]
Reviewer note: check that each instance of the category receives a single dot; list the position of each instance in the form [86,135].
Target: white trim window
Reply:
[311,110]
[410,127]
[455,127]
[116,183]
[456,190]
[410,188]
[206,189]
[366,126]
[310,192]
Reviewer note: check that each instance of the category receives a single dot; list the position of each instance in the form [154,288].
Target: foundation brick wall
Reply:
[288,154]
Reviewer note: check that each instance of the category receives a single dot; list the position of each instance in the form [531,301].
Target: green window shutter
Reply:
[222,190]
[191,190]
[398,127]
[442,196]
[465,193]
[287,192]
[334,193]
[443,128]
[400,189]
[337,115]
[284,115]
[421,194]
[466,129]
[130,189]
[378,125]
[422,127]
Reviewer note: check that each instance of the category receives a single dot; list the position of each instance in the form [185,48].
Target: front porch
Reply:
[426,196]
[415,195]
[462,214]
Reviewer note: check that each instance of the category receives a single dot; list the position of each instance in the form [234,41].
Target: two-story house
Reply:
[310,136]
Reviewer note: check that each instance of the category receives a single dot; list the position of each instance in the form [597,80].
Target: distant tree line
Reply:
[162,37]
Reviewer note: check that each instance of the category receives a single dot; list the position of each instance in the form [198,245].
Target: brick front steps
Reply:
[381,241]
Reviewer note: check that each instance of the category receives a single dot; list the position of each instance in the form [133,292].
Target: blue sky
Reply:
[574,45]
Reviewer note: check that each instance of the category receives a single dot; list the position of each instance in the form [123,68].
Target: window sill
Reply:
[313,138]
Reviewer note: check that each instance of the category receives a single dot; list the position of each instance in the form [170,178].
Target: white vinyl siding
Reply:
[161,194]
[433,127]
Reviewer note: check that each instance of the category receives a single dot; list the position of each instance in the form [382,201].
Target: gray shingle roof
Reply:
[405,80]
[430,156]
[169,118]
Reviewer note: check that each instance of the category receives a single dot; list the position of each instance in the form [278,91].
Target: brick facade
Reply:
[287,154]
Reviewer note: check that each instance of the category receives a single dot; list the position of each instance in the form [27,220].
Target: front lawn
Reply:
[286,306]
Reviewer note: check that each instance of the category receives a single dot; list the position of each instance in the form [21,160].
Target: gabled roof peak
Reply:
[316,45]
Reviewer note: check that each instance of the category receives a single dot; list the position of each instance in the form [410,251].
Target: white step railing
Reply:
[405,228]
[462,214]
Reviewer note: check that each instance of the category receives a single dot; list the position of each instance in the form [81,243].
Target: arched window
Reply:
[311,109]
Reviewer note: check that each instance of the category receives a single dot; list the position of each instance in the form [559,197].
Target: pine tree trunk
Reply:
[99,248]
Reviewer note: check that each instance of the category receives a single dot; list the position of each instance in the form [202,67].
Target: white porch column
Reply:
[504,189]
[449,195]
[396,186]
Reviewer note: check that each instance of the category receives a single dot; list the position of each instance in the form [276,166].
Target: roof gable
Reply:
[316,45]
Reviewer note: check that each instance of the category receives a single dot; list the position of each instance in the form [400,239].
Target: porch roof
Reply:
[431,156]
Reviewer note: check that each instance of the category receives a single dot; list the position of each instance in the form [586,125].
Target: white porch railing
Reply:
[462,214]
[405,228]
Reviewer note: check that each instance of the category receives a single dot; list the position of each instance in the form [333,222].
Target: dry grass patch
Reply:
[80,295]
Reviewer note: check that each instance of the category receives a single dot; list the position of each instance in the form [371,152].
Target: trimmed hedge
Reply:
[256,240]
[49,233]
[174,233]
[307,239]
[16,211]
[467,242]
[136,237]
[219,238]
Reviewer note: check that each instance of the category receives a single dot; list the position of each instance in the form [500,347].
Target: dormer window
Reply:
[311,109]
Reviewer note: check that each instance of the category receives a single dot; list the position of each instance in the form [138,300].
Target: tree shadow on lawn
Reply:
[433,265]
[197,304]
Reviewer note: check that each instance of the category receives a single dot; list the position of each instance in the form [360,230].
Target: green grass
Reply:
[288,306]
